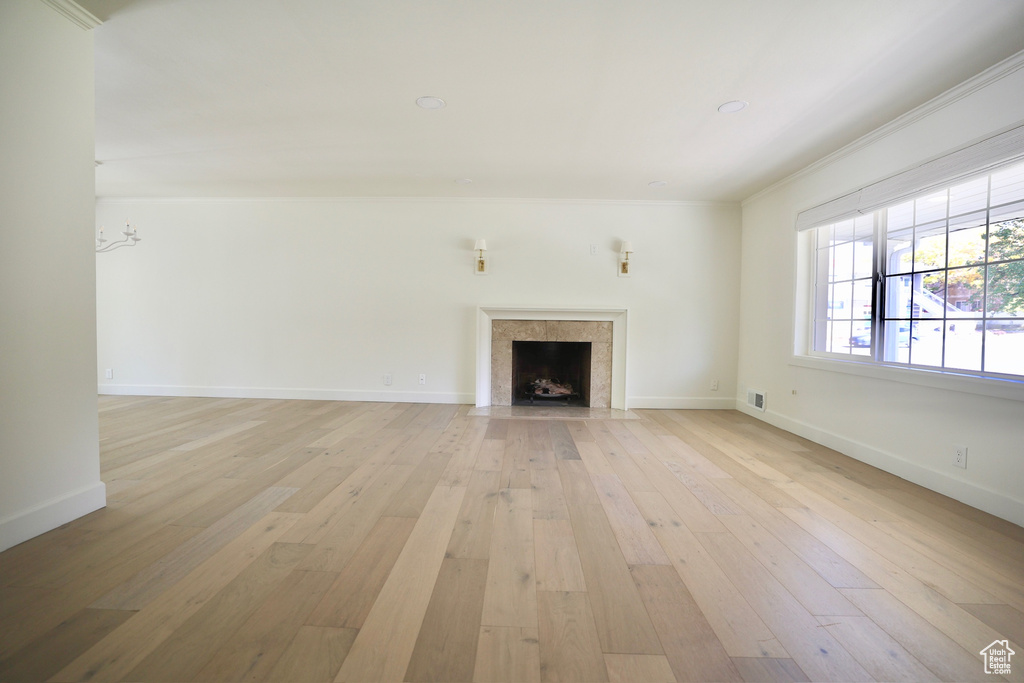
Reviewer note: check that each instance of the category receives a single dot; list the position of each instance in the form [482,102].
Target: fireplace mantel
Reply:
[616,316]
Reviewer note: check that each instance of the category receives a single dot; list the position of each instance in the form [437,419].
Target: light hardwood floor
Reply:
[323,541]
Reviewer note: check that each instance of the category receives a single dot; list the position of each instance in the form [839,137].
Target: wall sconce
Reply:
[624,251]
[481,261]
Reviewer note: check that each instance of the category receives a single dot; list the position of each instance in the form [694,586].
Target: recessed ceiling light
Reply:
[657,183]
[464,181]
[428,102]
[733,107]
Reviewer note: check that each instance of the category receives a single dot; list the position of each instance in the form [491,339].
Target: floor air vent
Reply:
[756,399]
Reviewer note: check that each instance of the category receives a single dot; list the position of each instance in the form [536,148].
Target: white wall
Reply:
[907,429]
[320,298]
[49,454]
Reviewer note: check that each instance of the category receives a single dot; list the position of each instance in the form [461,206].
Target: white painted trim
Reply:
[75,13]
[49,515]
[990,75]
[680,403]
[286,393]
[617,316]
[949,380]
[992,502]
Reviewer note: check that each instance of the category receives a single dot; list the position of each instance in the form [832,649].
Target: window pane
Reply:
[896,342]
[967,240]
[842,262]
[863,258]
[899,248]
[1004,347]
[840,342]
[860,339]
[1005,289]
[897,296]
[861,299]
[840,300]
[969,196]
[899,216]
[965,291]
[930,295]
[930,208]
[926,342]
[1006,233]
[1008,185]
[930,246]
[963,345]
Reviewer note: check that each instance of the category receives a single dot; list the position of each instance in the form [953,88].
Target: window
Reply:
[933,282]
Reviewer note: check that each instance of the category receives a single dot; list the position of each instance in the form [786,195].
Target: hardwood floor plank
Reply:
[471,538]
[349,599]
[314,655]
[813,592]
[769,670]
[623,624]
[739,628]
[511,595]
[148,584]
[569,646]
[251,652]
[877,652]
[945,658]
[491,455]
[548,497]
[557,558]
[396,615]
[121,650]
[184,652]
[47,655]
[692,649]
[633,668]
[816,652]
[446,647]
[636,541]
[1006,620]
[962,627]
[507,654]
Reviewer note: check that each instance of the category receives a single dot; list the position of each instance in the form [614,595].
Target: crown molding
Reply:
[990,75]
[118,199]
[75,13]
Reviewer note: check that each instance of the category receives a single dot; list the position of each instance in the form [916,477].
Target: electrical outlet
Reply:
[110,374]
[960,457]
[714,385]
[423,378]
[593,250]
[387,380]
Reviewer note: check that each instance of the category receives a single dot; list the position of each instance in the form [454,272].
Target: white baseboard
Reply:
[39,519]
[678,403]
[992,502]
[277,393]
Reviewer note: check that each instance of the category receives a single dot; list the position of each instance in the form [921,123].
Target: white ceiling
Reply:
[588,99]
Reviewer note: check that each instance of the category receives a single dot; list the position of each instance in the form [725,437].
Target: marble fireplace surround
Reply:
[494,365]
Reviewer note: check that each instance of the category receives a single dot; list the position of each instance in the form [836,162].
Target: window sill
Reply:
[937,379]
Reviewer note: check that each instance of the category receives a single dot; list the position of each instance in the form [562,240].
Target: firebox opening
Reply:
[550,372]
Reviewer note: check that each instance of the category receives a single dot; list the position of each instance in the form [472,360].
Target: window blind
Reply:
[975,159]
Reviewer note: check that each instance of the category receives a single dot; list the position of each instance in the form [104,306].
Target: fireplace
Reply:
[548,372]
[605,335]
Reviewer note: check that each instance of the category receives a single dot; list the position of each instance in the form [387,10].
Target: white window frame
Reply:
[980,158]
